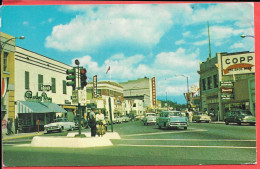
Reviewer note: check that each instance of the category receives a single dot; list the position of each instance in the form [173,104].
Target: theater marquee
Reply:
[238,64]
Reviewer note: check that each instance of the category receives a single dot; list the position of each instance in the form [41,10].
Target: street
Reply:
[202,143]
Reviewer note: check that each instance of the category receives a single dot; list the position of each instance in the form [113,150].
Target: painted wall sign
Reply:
[226,90]
[238,64]
[28,96]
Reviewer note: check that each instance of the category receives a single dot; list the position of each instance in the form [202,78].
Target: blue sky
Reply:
[161,40]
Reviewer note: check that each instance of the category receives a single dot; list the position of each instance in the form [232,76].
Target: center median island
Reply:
[70,141]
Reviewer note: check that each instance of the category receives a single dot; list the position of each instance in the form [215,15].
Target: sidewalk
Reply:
[21,135]
[218,122]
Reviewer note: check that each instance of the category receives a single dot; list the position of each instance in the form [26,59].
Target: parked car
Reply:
[59,124]
[84,122]
[201,117]
[125,118]
[139,117]
[149,118]
[118,119]
[172,119]
[239,117]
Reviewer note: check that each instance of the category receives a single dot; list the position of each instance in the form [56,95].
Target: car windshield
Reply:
[174,114]
[58,120]
[246,113]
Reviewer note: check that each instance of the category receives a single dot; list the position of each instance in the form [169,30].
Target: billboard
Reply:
[238,63]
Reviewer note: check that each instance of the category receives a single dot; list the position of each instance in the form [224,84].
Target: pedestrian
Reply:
[92,122]
[190,115]
[16,125]
[100,123]
[9,127]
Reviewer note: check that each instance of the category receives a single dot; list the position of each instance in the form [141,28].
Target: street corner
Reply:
[21,135]
[70,142]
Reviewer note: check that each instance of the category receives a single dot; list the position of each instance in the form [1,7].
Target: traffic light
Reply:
[83,77]
[71,76]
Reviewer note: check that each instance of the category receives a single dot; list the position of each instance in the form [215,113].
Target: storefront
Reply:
[32,114]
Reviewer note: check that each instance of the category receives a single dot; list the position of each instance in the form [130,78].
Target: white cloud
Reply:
[237,45]
[186,34]
[179,42]
[25,23]
[104,24]
[200,43]
[165,66]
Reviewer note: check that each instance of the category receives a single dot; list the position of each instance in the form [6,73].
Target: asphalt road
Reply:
[202,143]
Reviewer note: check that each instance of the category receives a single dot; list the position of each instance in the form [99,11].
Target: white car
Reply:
[149,118]
[59,124]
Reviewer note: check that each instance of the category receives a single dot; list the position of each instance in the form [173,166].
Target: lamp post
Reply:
[188,92]
[243,36]
[4,43]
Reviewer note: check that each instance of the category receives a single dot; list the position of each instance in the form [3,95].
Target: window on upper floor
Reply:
[40,82]
[64,87]
[27,80]
[210,82]
[215,77]
[53,85]
[5,61]
[203,84]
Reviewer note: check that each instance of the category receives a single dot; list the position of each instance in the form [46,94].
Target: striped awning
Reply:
[38,107]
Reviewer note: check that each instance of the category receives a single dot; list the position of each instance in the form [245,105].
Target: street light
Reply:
[188,92]
[243,36]
[4,43]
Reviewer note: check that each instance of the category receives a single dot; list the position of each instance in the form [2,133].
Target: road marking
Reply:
[181,146]
[142,134]
[188,140]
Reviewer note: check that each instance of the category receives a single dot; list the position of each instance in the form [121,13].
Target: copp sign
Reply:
[238,64]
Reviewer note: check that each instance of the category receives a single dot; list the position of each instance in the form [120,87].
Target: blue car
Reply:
[172,119]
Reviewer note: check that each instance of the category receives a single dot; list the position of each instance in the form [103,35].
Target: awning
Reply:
[38,107]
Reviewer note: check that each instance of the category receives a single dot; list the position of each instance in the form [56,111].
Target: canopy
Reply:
[38,107]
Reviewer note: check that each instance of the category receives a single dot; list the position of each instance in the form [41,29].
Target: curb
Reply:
[21,136]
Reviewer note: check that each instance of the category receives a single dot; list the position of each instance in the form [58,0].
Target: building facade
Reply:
[7,79]
[227,82]
[142,89]
[42,90]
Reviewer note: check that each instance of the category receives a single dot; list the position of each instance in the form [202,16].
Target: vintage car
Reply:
[201,117]
[59,124]
[239,117]
[84,122]
[118,119]
[149,118]
[172,119]
[125,118]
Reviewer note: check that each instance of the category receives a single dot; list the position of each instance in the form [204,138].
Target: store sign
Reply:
[95,86]
[74,97]
[154,92]
[238,64]
[226,90]
[28,96]
[46,87]
[226,84]
[227,96]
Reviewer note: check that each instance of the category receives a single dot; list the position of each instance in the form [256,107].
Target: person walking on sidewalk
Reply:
[9,127]
[92,122]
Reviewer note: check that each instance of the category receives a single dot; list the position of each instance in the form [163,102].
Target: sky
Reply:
[135,40]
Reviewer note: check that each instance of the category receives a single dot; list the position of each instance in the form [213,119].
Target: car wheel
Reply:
[198,121]
[239,123]
[185,128]
[48,131]
[207,121]
[159,126]
[226,122]
[252,124]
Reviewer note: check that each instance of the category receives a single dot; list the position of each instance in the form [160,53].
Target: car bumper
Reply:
[52,128]
[177,124]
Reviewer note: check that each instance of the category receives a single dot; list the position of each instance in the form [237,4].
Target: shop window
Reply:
[5,61]
[27,80]
[40,82]
[64,87]
[209,83]
[134,105]
[215,81]
[203,84]
[53,85]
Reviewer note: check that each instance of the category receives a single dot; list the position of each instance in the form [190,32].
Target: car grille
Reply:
[178,123]
[52,127]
